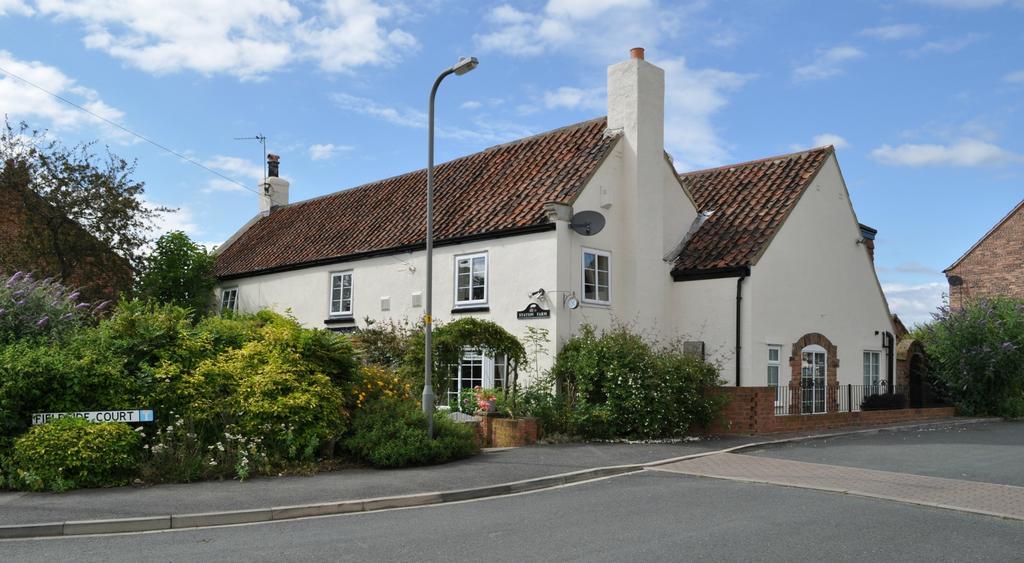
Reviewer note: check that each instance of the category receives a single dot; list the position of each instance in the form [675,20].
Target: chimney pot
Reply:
[273,165]
[636,53]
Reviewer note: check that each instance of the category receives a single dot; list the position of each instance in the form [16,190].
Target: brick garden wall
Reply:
[751,410]
[494,432]
[995,267]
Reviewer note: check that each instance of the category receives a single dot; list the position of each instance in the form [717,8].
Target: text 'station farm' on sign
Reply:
[95,416]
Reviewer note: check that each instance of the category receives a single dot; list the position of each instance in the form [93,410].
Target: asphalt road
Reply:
[646,516]
[990,452]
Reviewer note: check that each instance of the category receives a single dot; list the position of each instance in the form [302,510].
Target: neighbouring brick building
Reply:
[27,230]
[993,266]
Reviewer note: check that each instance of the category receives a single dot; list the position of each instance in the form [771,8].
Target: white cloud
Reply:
[829,63]
[233,167]
[600,28]
[1015,76]
[326,150]
[575,98]
[470,104]
[483,131]
[947,46]
[181,219]
[915,303]
[964,4]
[894,32]
[404,117]
[911,267]
[21,101]
[18,7]
[965,152]
[830,139]
[244,38]
[692,97]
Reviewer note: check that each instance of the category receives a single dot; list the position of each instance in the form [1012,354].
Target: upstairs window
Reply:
[597,276]
[229,300]
[341,294]
[471,279]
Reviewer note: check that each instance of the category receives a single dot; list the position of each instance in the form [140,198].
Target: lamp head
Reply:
[465,65]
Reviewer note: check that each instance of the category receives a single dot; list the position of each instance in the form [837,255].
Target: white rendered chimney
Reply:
[636,107]
[274,193]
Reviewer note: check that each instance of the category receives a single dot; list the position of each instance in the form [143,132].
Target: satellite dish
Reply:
[587,223]
[956,281]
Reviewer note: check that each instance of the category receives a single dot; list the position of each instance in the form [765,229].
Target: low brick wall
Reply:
[494,432]
[751,410]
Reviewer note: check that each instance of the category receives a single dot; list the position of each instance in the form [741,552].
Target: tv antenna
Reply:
[263,141]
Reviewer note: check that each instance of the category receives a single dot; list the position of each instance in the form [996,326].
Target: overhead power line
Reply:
[127,130]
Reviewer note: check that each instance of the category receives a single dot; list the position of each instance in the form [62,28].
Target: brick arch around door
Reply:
[831,366]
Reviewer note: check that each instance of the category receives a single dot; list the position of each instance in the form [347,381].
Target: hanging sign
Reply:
[95,416]
[533,311]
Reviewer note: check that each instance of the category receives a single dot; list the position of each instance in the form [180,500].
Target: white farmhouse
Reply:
[762,264]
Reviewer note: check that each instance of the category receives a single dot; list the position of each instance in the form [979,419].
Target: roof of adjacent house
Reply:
[501,190]
[748,202]
[1019,208]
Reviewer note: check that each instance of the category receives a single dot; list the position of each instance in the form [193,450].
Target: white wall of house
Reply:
[706,311]
[814,277]
[516,266]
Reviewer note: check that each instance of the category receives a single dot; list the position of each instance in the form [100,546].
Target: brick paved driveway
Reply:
[971,496]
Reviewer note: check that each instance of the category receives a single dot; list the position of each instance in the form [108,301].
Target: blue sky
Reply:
[920,97]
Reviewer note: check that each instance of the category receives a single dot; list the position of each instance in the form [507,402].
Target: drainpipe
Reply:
[739,345]
[889,342]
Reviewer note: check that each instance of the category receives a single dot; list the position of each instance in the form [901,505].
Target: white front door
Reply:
[478,370]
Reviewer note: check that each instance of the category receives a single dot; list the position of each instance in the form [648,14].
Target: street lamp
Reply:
[462,67]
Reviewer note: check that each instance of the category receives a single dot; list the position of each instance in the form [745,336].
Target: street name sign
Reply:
[95,416]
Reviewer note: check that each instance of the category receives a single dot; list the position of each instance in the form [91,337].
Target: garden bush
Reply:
[31,308]
[70,453]
[618,384]
[390,433]
[977,354]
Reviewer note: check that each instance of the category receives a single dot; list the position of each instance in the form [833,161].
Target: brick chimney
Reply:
[273,193]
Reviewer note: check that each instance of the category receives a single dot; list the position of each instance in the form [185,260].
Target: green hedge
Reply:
[70,453]
[390,434]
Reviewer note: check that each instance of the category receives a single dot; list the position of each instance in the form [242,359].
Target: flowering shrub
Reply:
[374,382]
[41,308]
[174,453]
[977,354]
[617,384]
[71,452]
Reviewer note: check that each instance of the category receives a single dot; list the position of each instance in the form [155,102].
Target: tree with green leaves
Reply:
[72,214]
[179,271]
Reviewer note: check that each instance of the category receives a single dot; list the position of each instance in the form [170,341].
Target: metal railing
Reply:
[819,398]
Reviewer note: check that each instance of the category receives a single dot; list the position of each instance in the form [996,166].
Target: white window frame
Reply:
[341,311]
[816,394]
[224,292]
[489,366]
[877,364]
[776,363]
[583,276]
[455,279]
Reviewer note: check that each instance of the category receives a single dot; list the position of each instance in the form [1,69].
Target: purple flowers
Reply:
[40,308]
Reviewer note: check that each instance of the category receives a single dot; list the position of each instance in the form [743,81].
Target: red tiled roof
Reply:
[750,201]
[501,189]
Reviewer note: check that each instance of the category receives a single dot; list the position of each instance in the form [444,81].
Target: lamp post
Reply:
[462,67]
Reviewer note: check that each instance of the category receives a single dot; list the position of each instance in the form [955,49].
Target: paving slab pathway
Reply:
[970,496]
